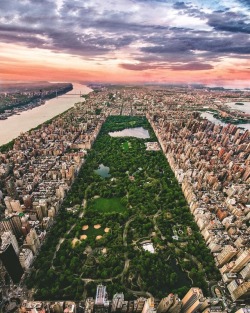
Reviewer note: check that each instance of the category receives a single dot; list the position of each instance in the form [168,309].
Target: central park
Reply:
[124,223]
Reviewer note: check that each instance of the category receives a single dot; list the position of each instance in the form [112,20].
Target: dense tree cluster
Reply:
[154,207]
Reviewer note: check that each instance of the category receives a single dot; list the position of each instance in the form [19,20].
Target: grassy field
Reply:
[126,145]
[112,205]
[132,123]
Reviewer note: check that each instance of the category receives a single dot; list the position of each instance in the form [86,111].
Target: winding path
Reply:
[157,230]
[126,263]
[127,260]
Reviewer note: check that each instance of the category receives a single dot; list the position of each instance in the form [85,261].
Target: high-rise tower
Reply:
[11,261]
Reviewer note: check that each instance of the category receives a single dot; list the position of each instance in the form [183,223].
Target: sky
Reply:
[126,41]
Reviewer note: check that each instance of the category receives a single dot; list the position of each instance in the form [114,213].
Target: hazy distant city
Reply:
[155,219]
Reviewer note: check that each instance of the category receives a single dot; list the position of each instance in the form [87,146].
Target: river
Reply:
[211,118]
[15,124]
[244,108]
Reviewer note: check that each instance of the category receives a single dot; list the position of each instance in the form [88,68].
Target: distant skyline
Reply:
[131,41]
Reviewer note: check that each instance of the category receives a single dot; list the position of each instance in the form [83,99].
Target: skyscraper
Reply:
[8,237]
[100,295]
[193,301]
[245,273]
[117,302]
[239,290]
[101,299]
[241,261]
[149,306]
[14,224]
[226,255]
[32,240]
[171,303]
[26,258]
[11,262]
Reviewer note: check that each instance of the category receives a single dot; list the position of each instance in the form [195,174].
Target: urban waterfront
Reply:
[83,229]
[209,116]
[127,191]
[15,124]
[244,108]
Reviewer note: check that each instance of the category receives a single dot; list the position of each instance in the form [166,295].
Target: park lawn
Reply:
[132,123]
[126,145]
[112,205]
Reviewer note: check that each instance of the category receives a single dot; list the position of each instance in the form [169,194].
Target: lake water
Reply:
[138,132]
[103,171]
[15,124]
[244,108]
[211,118]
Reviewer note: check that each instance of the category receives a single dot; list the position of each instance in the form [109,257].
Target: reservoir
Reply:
[15,124]
[138,132]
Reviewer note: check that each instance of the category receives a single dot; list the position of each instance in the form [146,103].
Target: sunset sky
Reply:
[197,41]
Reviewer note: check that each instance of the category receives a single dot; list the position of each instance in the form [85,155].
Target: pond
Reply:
[138,132]
[103,171]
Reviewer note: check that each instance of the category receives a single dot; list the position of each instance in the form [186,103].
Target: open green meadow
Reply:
[110,205]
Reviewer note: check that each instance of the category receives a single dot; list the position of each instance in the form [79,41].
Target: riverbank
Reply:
[244,106]
[28,102]
[216,120]
[8,146]
[16,124]
[217,117]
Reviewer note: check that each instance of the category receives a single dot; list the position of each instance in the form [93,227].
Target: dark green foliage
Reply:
[8,146]
[98,111]
[149,207]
